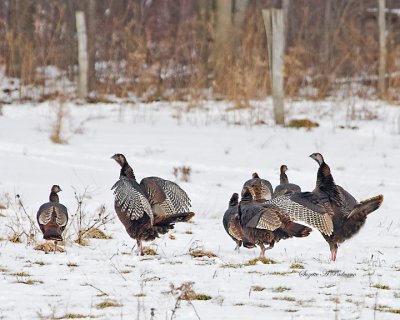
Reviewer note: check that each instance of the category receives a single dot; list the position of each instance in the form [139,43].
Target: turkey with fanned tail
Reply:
[265,223]
[149,208]
[349,215]
[52,217]
[260,189]
[285,187]
[232,224]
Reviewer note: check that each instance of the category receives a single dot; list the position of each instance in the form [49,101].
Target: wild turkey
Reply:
[285,187]
[52,217]
[232,224]
[260,189]
[348,214]
[265,223]
[149,208]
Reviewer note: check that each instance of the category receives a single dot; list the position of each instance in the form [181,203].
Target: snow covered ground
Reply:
[360,140]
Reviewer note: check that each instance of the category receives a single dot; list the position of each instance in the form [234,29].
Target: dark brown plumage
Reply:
[149,208]
[260,189]
[232,224]
[349,215]
[265,223]
[285,187]
[52,217]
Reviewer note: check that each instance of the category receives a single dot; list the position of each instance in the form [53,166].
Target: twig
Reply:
[101,291]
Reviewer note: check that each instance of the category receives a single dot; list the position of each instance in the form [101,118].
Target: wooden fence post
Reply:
[275,31]
[83,64]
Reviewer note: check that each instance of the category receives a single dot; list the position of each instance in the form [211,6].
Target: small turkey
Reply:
[285,187]
[149,208]
[52,217]
[265,223]
[232,224]
[260,189]
[348,215]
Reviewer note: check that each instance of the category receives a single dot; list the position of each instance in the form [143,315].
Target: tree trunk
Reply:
[382,48]
[274,27]
[91,38]
[82,91]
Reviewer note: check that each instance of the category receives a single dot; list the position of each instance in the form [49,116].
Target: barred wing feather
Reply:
[261,217]
[312,213]
[166,193]
[131,199]
[46,211]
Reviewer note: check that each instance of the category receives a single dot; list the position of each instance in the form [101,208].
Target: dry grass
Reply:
[75,316]
[281,289]
[3,269]
[29,281]
[290,299]
[385,308]
[21,274]
[186,292]
[96,233]
[262,260]
[302,123]
[381,286]
[257,288]
[72,265]
[48,247]
[182,173]
[57,127]
[296,265]
[147,251]
[108,304]
[201,254]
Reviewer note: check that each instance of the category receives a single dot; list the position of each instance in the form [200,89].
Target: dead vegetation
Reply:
[302,123]
[57,135]
[22,228]
[108,304]
[48,247]
[147,251]
[182,173]
[201,254]
[259,260]
[88,224]
[185,292]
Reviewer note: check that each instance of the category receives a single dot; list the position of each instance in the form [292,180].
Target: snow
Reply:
[222,148]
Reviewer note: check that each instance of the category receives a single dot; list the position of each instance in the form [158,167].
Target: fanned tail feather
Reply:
[367,206]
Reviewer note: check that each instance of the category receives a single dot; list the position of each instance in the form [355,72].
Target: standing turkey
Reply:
[348,214]
[149,208]
[52,217]
[260,189]
[265,223]
[232,224]
[285,187]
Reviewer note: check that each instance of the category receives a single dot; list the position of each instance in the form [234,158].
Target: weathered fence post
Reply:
[382,48]
[275,31]
[83,64]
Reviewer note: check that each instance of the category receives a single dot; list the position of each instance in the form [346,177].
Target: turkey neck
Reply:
[53,197]
[233,202]
[324,177]
[326,183]
[127,171]
[283,178]
[246,198]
